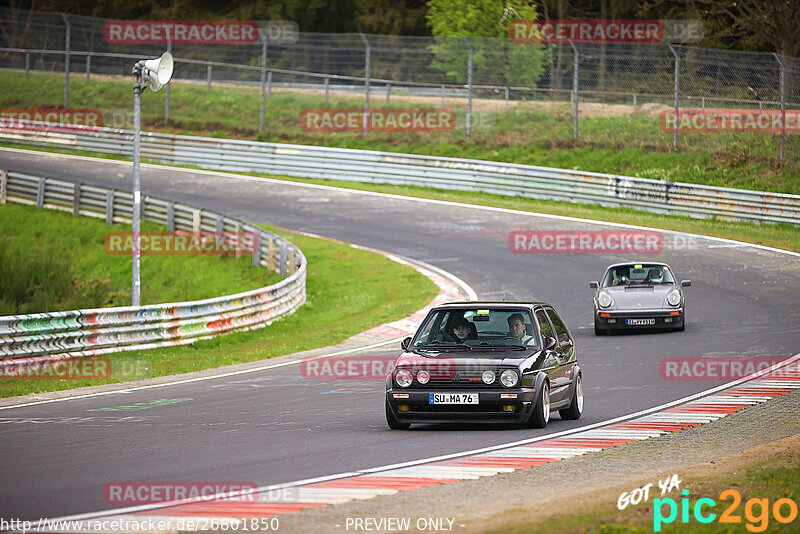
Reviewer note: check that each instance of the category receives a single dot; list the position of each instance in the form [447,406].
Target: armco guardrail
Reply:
[430,171]
[104,330]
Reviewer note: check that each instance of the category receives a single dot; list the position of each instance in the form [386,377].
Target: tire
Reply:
[541,410]
[392,421]
[576,406]
[599,331]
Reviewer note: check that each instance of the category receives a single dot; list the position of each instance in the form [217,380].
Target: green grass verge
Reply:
[348,291]
[773,479]
[53,261]
[531,133]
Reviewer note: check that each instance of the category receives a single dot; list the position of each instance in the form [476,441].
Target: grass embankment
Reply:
[52,261]
[348,291]
[537,133]
[768,476]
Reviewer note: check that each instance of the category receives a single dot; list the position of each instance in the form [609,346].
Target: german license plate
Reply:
[453,398]
[640,322]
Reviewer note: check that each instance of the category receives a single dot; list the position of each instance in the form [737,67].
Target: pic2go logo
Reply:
[756,511]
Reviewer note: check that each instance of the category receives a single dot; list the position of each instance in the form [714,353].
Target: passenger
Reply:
[516,328]
[461,330]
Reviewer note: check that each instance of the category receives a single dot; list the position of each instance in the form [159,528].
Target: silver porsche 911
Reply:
[638,295]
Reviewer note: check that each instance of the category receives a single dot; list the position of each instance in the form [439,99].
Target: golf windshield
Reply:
[478,327]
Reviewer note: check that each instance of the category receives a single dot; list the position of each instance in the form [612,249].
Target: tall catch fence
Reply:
[658,75]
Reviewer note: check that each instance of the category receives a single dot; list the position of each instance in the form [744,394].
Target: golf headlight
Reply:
[674,297]
[488,377]
[509,378]
[423,377]
[604,299]
[403,377]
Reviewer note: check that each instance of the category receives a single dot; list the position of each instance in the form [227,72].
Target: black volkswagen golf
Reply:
[510,362]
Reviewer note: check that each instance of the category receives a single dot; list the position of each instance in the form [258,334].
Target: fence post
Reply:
[269,84]
[575,93]
[3,186]
[208,78]
[67,37]
[703,105]
[76,199]
[469,88]
[677,90]
[110,207]
[367,54]
[88,66]
[783,103]
[27,63]
[327,81]
[506,98]
[40,193]
[634,105]
[388,92]
[263,80]
[169,85]
[442,106]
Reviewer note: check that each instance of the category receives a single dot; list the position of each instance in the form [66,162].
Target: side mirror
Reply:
[594,284]
[405,343]
[549,343]
[686,283]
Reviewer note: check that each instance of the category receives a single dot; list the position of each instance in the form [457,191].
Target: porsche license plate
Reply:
[453,398]
[640,322]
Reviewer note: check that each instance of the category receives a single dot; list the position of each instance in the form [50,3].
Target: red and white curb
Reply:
[370,483]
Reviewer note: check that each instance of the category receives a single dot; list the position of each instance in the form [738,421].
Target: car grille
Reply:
[458,379]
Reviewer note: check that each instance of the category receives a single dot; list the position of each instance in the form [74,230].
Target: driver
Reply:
[516,327]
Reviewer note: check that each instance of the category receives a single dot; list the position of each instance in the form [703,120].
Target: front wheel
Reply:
[599,331]
[541,411]
[392,421]
[576,407]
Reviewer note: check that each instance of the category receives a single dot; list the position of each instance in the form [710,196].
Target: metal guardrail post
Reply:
[326,90]
[388,93]
[677,90]
[88,66]
[634,105]
[263,80]
[67,38]
[367,56]
[110,206]
[208,78]
[197,217]
[269,84]
[282,267]
[783,103]
[257,255]
[3,186]
[506,98]
[76,199]
[575,92]
[27,63]
[442,106]
[218,225]
[40,192]
[469,88]
[169,89]
[171,217]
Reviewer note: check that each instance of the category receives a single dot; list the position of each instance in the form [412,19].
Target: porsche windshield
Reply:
[638,274]
[478,328]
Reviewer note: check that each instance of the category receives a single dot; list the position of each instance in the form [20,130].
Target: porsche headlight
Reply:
[509,378]
[403,377]
[488,377]
[604,299]
[674,297]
